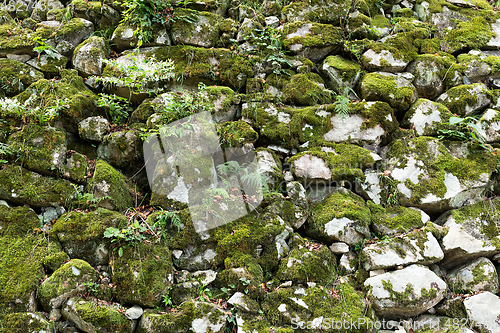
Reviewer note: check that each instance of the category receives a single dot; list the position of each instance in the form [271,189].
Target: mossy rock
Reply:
[94,316]
[297,306]
[212,66]
[28,322]
[50,66]
[477,276]
[236,134]
[121,149]
[143,274]
[438,180]
[341,73]
[224,100]
[68,279]
[306,89]
[17,221]
[466,100]
[23,261]
[244,273]
[306,262]
[44,147]
[191,315]
[81,234]
[395,90]
[427,118]
[341,216]
[201,30]
[396,219]
[473,34]
[22,186]
[76,168]
[88,57]
[16,76]
[344,161]
[80,101]
[112,186]
[315,11]
[479,66]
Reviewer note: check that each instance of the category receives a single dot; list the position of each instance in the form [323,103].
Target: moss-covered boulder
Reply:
[365,124]
[93,128]
[143,274]
[88,56]
[340,73]
[111,187]
[383,61]
[421,172]
[81,234]
[93,316]
[314,308]
[41,8]
[418,246]
[125,37]
[466,100]
[479,65]
[311,40]
[17,221]
[489,124]
[70,34]
[481,311]
[236,134]
[23,261]
[67,281]
[21,186]
[333,163]
[29,322]
[396,219]
[474,34]
[342,216]
[434,73]
[427,117]
[395,90]
[202,29]
[102,15]
[121,149]
[269,166]
[472,233]
[315,11]
[195,316]
[478,275]
[69,100]
[304,89]
[16,76]
[406,292]
[224,101]
[307,261]
[45,147]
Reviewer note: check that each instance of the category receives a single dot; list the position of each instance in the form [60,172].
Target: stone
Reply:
[269,167]
[30,322]
[383,61]
[339,248]
[88,57]
[478,275]
[340,73]
[430,73]
[471,233]
[406,292]
[76,167]
[93,128]
[415,247]
[93,316]
[120,149]
[489,126]
[483,310]
[49,65]
[134,312]
[18,74]
[202,30]
[466,100]
[348,262]
[427,117]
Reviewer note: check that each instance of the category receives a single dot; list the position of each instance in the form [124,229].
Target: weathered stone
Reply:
[269,166]
[466,100]
[489,125]
[29,322]
[16,76]
[415,247]
[476,276]
[339,248]
[120,149]
[431,72]
[93,316]
[483,311]
[88,57]
[383,61]
[340,73]
[406,292]
[427,117]
[49,65]
[111,187]
[202,31]
[472,233]
[93,128]
[134,312]
[75,168]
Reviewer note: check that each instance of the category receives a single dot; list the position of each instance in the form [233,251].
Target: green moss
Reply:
[22,186]
[119,188]
[463,96]
[16,76]
[17,221]
[393,220]
[26,322]
[472,34]
[320,35]
[347,69]
[143,274]
[376,86]
[21,268]
[236,134]
[408,297]
[104,317]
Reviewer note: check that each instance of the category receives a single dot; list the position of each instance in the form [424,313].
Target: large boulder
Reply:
[16,76]
[382,61]
[406,292]
[427,117]
[340,73]
[121,149]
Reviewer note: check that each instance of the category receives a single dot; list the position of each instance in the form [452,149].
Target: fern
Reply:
[167,216]
[341,104]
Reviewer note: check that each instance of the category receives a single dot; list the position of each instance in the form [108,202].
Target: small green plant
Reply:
[92,287]
[166,217]
[341,104]
[44,48]
[465,129]
[133,234]
[269,42]
[204,293]
[117,107]
[48,114]
[86,200]
[167,299]
[6,152]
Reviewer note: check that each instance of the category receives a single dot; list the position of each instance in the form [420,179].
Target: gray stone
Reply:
[483,311]
[422,289]
[427,117]
[121,149]
[489,125]
[383,61]
[203,32]
[415,247]
[339,248]
[476,276]
[476,97]
[134,312]
[89,56]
